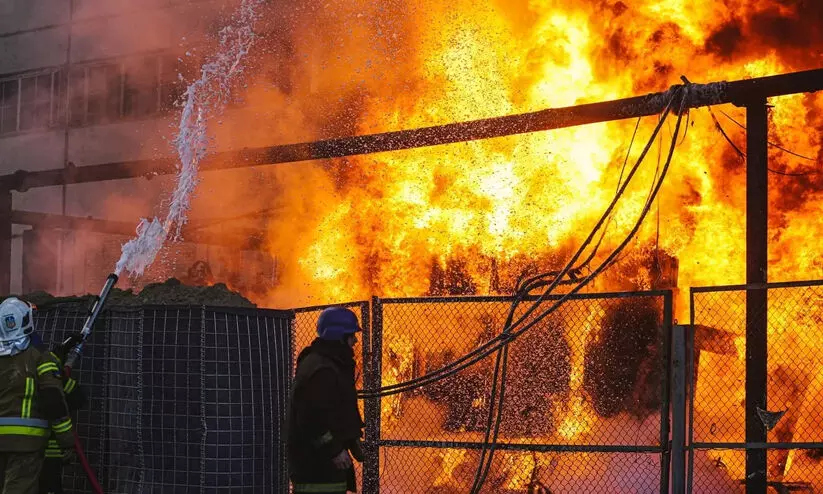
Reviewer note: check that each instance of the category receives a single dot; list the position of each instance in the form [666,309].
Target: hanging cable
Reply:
[485,463]
[575,271]
[743,155]
[492,345]
[772,144]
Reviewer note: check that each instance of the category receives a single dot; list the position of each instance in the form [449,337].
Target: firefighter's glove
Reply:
[356,449]
[342,461]
[68,344]
[65,440]
[69,456]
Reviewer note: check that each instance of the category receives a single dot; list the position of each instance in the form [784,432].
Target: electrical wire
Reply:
[483,469]
[743,155]
[773,144]
[504,338]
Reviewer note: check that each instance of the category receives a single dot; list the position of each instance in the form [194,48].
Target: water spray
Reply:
[204,97]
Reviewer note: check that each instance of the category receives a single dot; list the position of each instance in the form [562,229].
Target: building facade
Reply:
[85,82]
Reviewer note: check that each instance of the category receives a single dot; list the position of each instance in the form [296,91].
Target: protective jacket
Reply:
[75,399]
[323,418]
[32,404]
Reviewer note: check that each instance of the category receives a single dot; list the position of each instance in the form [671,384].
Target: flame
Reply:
[398,358]
[579,415]
[451,459]
[380,224]
[380,219]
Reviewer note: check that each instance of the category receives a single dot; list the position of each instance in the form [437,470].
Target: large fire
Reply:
[482,213]
[377,224]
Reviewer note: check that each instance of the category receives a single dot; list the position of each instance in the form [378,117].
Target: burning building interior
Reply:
[466,211]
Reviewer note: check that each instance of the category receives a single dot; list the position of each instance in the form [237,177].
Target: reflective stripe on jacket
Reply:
[31,399]
[327,487]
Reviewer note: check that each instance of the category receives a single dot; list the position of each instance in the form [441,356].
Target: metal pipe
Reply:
[737,92]
[245,238]
[757,216]
[678,457]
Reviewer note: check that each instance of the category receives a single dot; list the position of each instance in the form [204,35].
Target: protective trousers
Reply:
[20,472]
[51,478]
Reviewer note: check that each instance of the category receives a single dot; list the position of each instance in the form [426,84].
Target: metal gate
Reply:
[793,390]
[588,406]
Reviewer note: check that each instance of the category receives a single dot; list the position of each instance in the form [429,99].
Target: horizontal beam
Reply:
[737,92]
[238,238]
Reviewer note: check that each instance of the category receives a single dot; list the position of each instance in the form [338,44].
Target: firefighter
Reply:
[32,404]
[325,425]
[51,479]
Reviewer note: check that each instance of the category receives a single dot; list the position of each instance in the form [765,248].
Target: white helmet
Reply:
[16,324]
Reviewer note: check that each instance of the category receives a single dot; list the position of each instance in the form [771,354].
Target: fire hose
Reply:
[73,356]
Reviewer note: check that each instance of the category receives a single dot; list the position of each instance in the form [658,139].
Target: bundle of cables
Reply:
[550,280]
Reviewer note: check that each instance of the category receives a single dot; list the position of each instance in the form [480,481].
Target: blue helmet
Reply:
[335,323]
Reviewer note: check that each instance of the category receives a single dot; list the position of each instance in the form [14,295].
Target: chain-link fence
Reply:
[794,387]
[586,407]
[181,399]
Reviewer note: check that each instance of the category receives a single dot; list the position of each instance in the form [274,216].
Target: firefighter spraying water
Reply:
[33,382]
[32,402]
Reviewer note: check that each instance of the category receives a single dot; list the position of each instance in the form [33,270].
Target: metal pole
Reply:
[665,417]
[5,241]
[691,383]
[756,297]
[61,242]
[553,118]
[679,409]
[372,407]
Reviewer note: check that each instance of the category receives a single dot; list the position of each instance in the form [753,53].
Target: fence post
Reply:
[665,417]
[679,410]
[373,381]
[756,298]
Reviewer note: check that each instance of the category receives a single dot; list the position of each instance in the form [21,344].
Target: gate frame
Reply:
[371,482]
[758,447]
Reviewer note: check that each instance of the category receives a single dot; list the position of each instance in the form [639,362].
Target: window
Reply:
[77,96]
[139,87]
[35,102]
[171,87]
[103,94]
[29,102]
[140,96]
[9,104]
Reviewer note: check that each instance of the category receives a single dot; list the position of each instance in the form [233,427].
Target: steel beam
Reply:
[737,92]
[756,297]
[679,384]
[246,238]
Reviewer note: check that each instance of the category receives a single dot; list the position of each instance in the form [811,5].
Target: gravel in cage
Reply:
[169,292]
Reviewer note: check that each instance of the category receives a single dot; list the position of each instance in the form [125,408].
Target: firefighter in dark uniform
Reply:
[51,479]
[325,425]
[32,404]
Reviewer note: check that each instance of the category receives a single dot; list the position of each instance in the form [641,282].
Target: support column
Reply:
[5,241]
[373,381]
[756,298]
[678,410]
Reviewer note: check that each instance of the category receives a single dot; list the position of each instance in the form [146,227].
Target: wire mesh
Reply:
[181,399]
[586,387]
[794,388]
[451,470]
